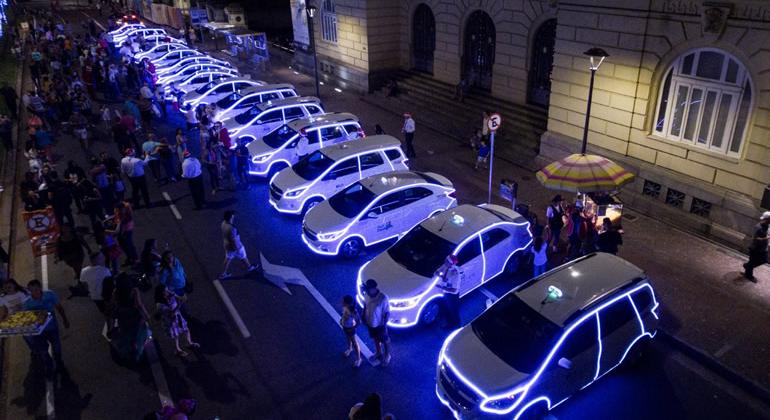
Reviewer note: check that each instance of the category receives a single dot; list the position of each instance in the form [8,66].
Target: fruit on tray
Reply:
[23,322]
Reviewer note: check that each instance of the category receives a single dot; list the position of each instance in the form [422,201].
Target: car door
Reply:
[240,86]
[372,163]
[313,109]
[291,113]
[619,327]
[383,218]
[269,96]
[342,174]
[495,243]
[470,261]
[268,121]
[419,203]
[288,93]
[353,131]
[306,143]
[332,135]
[396,158]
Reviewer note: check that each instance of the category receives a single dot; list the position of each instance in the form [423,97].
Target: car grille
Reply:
[309,233]
[459,394]
[275,192]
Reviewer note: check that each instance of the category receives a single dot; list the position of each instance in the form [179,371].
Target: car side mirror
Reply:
[565,363]
[372,215]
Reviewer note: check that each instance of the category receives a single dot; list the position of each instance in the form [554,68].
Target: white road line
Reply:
[157,374]
[95,21]
[231,308]
[104,332]
[172,206]
[488,294]
[722,350]
[44,271]
[50,406]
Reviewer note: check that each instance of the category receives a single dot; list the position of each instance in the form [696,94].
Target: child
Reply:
[540,256]
[482,155]
[349,321]
[169,305]
[106,118]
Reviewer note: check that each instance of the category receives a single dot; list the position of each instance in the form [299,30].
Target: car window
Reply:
[469,251]
[270,96]
[616,316]
[351,128]
[352,200]
[279,137]
[293,113]
[579,340]
[227,87]
[249,101]
[288,93]
[312,110]
[371,160]
[389,202]
[332,133]
[642,299]
[493,237]
[416,193]
[393,154]
[199,79]
[241,85]
[270,117]
[345,167]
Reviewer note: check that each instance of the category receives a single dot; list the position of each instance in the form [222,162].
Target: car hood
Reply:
[393,279]
[475,361]
[324,219]
[287,180]
[259,147]
[190,96]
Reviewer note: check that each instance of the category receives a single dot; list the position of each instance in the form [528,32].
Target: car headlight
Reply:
[502,404]
[405,303]
[295,193]
[260,158]
[330,236]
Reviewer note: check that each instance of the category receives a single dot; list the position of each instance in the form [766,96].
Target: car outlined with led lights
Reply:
[238,102]
[163,71]
[158,50]
[548,339]
[201,78]
[125,28]
[262,118]
[323,173]
[189,70]
[214,91]
[280,148]
[174,56]
[152,40]
[119,39]
[375,209]
[487,239]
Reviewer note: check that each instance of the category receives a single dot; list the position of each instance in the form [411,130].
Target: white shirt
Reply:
[409,125]
[190,116]
[132,166]
[375,309]
[94,276]
[146,92]
[450,277]
[14,302]
[191,167]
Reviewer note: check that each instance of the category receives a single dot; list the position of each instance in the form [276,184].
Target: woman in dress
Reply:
[168,305]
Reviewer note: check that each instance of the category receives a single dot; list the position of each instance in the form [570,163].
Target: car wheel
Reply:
[351,247]
[310,204]
[430,313]
[538,411]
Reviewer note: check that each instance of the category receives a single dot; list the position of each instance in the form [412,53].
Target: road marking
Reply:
[95,21]
[105,329]
[722,350]
[44,271]
[157,374]
[172,206]
[50,406]
[280,275]
[231,308]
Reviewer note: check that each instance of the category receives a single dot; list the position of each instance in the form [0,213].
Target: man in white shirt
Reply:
[450,276]
[93,276]
[146,92]
[125,51]
[190,117]
[191,171]
[133,168]
[376,315]
[408,130]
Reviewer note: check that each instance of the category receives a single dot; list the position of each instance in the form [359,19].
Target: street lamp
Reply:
[596,56]
[311,12]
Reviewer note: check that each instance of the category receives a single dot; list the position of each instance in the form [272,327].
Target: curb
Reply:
[718,367]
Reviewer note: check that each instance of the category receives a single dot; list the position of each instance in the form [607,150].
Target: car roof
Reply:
[474,219]
[265,88]
[328,118]
[264,106]
[221,82]
[583,283]
[382,183]
[348,148]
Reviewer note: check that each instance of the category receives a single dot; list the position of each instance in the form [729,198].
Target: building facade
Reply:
[683,100]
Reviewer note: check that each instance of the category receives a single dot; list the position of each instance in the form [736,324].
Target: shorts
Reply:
[349,332]
[379,333]
[238,254]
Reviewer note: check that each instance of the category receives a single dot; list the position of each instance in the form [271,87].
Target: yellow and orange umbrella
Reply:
[580,173]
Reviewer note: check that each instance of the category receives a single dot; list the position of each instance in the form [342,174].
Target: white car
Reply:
[171,57]
[327,171]
[151,40]
[375,209]
[141,32]
[238,102]
[262,118]
[185,72]
[285,145]
[157,51]
[126,28]
[201,78]
[550,338]
[483,238]
[214,91]
[188,61]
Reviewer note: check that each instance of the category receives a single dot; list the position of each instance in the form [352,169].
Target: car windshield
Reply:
[206,87]
[312,166]
[352,200]
[247,115]
[421,251]
[516,333]
[279,137]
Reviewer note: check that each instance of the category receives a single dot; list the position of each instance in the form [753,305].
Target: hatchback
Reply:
[262,118]
[216,90]
[239,102]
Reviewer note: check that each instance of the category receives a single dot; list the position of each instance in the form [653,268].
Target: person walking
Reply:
[124,228]
[376,315]
[485,125]
[609,238]
[191,171]
[450,277]
[539,253]
[212,162]
[555,216]
[408,130]
[11,100]
[93,275]
[758,247]
[349,322]
[169,305]
[70,249]
[133,168]
[40,300]
[482,155]
[151,150]
[172,274]
[234,249]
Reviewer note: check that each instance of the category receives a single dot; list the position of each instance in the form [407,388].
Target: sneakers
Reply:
[357,363]
[374,359]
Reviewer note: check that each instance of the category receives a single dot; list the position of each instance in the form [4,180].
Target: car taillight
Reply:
[361,132]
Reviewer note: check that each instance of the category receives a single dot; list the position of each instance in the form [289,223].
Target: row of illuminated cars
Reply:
[525,354]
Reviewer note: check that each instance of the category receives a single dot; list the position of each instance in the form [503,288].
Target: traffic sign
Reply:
[494,122]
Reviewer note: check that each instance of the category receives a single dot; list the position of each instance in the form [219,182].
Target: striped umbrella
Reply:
[580,173]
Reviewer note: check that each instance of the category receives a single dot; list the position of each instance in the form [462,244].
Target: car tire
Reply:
[430,313]
[538,411]
[310,204]
[351,247]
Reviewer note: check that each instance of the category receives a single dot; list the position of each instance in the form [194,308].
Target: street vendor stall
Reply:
[25,323]
[602,205]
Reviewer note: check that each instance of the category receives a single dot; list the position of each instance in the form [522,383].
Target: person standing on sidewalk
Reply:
[758,247]
[408,129]
[609,239]
[376,315]
[191,171]
[124,227]
[172,274]
[93,275]
[40,300]
[555,216]
[450,277]
[133,168]
[234,249]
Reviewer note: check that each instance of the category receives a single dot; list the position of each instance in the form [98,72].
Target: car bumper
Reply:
[319,247]
[286,205]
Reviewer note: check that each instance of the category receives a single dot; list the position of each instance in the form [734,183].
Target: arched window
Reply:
[705,101]
[328,21]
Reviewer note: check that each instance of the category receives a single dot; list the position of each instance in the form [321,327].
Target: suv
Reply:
[548,339]
[200,78]
[164,71]
[326,171]
[284,146]
[119,39]
[216,90]
[238,102]
[189,70]
[154,51]
[175,55]
[265,117]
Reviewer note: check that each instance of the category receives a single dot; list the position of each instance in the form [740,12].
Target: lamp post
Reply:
[596,56]
[311,12]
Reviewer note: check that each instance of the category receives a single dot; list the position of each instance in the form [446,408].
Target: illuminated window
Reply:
[705,101]
[328,21]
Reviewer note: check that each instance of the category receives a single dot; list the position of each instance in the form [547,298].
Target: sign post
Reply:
[493,124]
